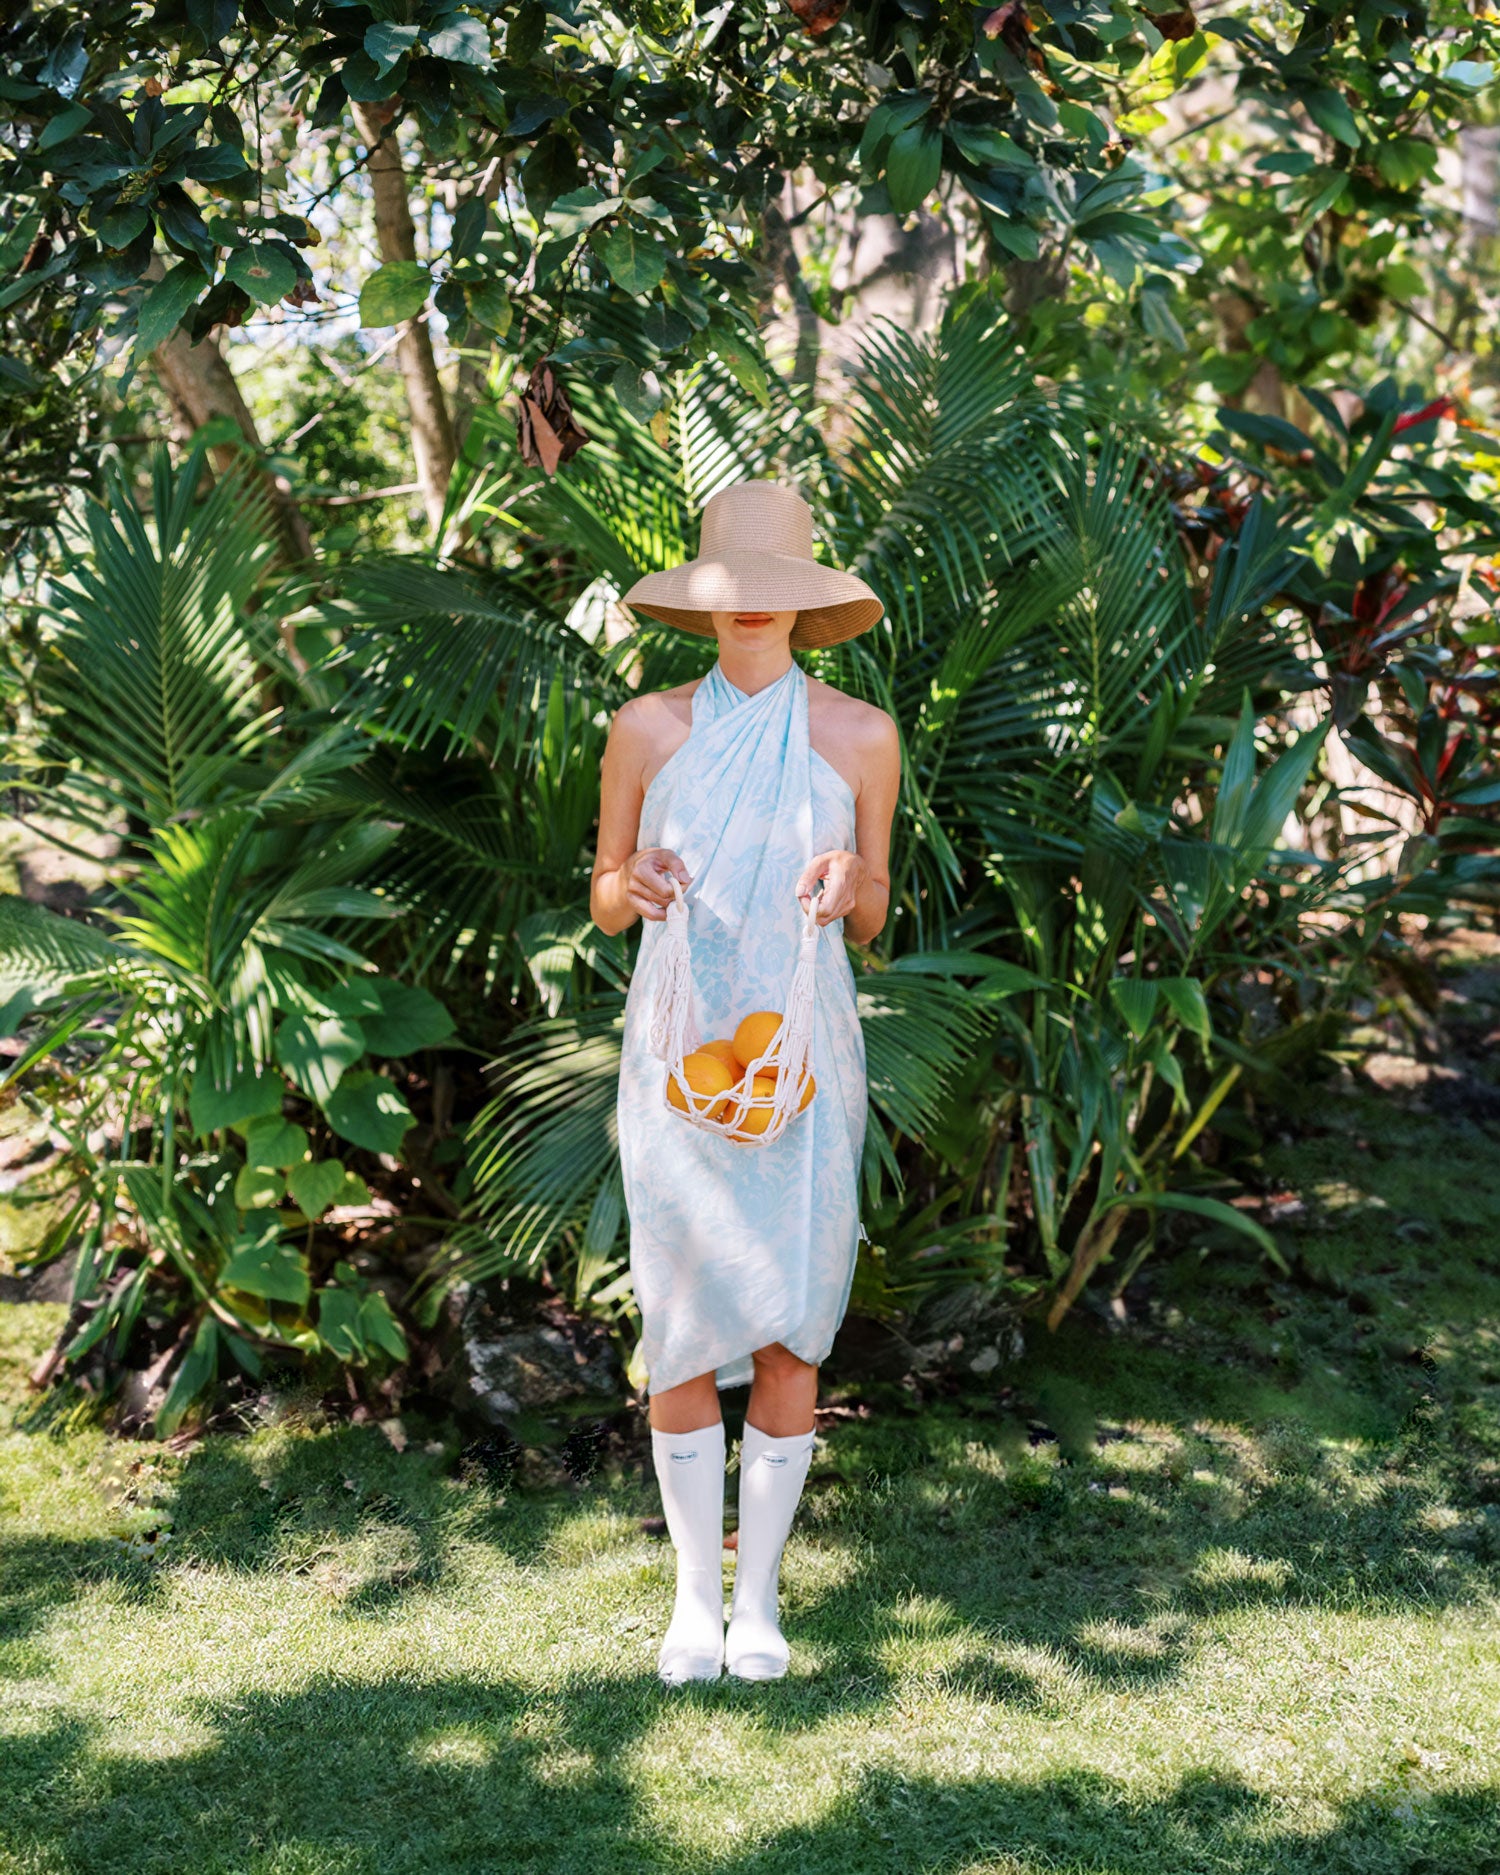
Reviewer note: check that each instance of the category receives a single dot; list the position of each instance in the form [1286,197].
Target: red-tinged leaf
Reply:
[545,429]
[1010,23]
[1429,413]
[818,16]
[1176,24]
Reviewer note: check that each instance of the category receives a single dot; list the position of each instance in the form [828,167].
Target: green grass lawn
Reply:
[1213,1591]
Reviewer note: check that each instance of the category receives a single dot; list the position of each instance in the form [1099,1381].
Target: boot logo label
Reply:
[683,1458]
[774,1458]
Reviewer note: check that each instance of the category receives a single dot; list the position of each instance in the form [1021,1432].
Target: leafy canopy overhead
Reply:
[589,155]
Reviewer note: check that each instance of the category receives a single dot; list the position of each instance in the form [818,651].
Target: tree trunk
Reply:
[201,386]
[396,236]
[1480,147]
[785,264]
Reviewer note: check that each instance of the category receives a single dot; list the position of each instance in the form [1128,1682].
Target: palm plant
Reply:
[1075,772]
[1084,866]
[218,1027]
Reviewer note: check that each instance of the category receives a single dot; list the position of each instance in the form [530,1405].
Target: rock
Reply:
[504,1370]
[979,1335]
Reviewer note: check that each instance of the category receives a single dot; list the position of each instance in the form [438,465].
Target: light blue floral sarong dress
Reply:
[734,1247]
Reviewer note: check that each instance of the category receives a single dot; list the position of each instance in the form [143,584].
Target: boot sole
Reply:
[703,1668]
[746,1670]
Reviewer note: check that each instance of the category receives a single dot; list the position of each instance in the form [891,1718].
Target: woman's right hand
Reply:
[648,877]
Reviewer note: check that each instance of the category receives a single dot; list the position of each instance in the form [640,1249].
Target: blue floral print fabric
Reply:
[735,1247]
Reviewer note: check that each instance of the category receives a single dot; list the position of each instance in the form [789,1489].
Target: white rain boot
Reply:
[690,1473]
[772,1473]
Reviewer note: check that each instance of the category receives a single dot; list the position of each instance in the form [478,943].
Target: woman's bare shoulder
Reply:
[859,722]
[658,712]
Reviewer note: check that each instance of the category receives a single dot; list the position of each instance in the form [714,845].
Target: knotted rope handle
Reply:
[674,1032]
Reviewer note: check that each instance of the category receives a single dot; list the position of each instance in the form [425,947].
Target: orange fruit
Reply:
[809,1085]
[725,1053]
[753,1119]
[755,1035]
[709,1080]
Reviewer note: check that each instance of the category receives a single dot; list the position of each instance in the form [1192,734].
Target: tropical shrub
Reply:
[218,1028]
[1091,666]
[345,811]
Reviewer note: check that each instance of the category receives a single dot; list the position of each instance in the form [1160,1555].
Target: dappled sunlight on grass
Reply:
[1182,1601]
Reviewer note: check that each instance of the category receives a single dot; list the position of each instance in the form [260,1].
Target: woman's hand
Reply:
[843,874]
[647,877]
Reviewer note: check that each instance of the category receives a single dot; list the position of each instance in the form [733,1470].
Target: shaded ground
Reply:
[1214,1590]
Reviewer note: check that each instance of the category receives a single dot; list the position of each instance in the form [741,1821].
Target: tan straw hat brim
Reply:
[830,604]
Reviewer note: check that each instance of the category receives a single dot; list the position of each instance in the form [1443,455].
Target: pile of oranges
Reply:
[715,1072]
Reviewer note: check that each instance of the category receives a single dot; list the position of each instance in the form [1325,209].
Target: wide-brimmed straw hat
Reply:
[755,549]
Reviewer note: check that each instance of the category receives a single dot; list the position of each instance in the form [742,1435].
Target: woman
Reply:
[747,788]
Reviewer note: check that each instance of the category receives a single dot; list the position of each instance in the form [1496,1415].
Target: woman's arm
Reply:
[628,883]
[857,886]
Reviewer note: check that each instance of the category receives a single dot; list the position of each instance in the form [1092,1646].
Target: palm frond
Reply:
[443,650]
[151,675]
[545,1144]
[919,1030]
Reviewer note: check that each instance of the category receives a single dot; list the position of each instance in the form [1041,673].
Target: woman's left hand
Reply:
[842,874]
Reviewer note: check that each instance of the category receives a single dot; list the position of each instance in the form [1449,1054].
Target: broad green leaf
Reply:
[368,1110]
[353,1191]
[469,225]
[639,392]
[386,43]
[356,998]
[393,293]
[1016,237]
[665,330]
[265,272]
[1187,1002]
[410,1018]
[250,1097]
[635,259]
[1214,1208]
[887,120]
[580,209]
[748,371]
[273,1141]
[1329,110]
[1323,189]
[354,1321]
[78,117]
[1168,1067]
[1159,319]
[463,40]
[316,1052]
[363,80]
[165,301]
[550,171]
[258,1187]
[121,225]
[913,165]
[267,1266]
[1135,997]
[490,305]
[194,1372]
[1404,162]
[315,1184]
[989,148]
[1080,122]
[1141,122]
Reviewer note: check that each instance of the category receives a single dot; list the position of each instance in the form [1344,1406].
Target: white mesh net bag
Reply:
[673,1035]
